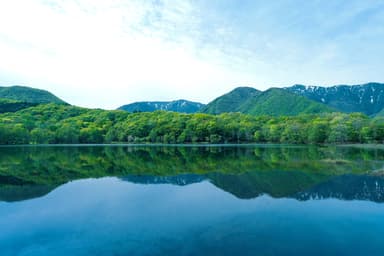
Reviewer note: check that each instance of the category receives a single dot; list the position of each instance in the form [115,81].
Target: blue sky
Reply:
[98,53]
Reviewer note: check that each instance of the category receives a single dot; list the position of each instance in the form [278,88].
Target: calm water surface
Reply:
[249,200]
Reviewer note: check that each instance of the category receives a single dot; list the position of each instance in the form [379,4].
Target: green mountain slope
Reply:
[274,102]
[29,95]
[278,102]
[230,102]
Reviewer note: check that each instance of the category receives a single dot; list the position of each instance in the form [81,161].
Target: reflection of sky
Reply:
[90,52]
[106,216]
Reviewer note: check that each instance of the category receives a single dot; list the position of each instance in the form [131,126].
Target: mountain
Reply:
[13,193]
[277,102]
[230,102]
[183,106]
[28,94]
[15,98]
[273,101]
[366,98]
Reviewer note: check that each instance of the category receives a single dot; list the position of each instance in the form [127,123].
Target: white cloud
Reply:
[107,53]
[104,55]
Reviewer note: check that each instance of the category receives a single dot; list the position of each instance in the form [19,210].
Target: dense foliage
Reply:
[7,105]
[55,123]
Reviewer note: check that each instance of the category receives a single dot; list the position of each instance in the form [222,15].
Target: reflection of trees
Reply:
[56,165]
[246,171]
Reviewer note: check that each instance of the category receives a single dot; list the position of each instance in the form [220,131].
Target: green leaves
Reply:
[58,124]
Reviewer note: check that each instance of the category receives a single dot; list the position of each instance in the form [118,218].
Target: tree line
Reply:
[62,124]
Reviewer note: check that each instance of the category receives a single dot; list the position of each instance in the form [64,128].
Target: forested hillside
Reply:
[57,123]
[28,94]
[273,102]
[31,116]
[15,98]
[7,105]
[300,99]
[278,102]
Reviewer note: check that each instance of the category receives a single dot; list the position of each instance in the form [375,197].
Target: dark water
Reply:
[249,200]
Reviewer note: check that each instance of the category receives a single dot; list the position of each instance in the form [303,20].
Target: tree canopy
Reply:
[58,124]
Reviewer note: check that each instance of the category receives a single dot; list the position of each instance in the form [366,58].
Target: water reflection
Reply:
[303,173]
[109,216]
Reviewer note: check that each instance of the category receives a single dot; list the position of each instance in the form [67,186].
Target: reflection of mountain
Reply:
[180,180]
[281,184]
[246,172]
[274,183]
[302,186]
[13,193]
[347,187]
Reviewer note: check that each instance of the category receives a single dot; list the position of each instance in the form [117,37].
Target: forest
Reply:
[64,124]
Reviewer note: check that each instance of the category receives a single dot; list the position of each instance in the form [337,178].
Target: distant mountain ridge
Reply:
[182,106]
[300,99]
[366,98]
[294,100]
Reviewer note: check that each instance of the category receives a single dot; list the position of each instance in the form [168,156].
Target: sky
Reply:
[107,53]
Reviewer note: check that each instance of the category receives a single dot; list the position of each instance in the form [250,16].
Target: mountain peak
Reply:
[230,102]
[244,90]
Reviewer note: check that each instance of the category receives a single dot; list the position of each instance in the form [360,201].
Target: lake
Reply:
[191,200]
